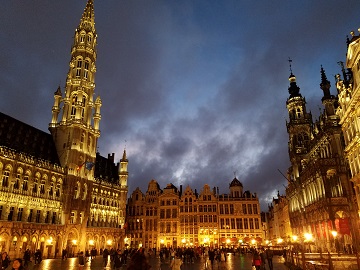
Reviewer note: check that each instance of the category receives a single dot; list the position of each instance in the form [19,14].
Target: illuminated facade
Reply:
[349,110]
[278,222]
[171,217]
[56,191]
[319,191]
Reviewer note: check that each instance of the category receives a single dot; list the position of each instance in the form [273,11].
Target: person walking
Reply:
[211,254]
[105,257]
[27,257]
[138,262]
[117,260]
[269,257]
[257,260]
[81,258]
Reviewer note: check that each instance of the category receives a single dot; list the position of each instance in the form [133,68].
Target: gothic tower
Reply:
[123,171]
[76,132]
[299,127]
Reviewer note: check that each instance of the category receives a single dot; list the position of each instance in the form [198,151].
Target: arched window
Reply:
[77,190]
[73,106]
[26,181]
[36,183]
[89,38]
[58,188]
[18,178]
[5,176]
[82,37]
[298,113]
[42,184]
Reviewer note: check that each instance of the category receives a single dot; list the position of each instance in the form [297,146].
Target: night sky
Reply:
[195,90]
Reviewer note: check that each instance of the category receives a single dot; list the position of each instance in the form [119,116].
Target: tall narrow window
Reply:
[255,209]
[36,183]
[86,69]
[226,209]
[11,214]
[47,218]
[251,223]
[25,182]
[30,217]
[73,106]
[246,224]
[72,218]
[38,214]
[5,178]
[57,193]
[249,209]
[19,214]
[51,190]
[78,68]
[53,220]
[17,180]
[256,223]
[42,186]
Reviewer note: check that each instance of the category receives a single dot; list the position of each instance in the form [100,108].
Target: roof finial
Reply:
[235,174]
[290,61]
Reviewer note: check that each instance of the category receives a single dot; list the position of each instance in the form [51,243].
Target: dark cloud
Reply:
[195,90]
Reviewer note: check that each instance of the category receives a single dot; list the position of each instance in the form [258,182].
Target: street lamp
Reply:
[334,234]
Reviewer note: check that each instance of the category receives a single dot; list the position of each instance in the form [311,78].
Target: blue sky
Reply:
[197,89]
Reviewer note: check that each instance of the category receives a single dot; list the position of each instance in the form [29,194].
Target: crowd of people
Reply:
[139,258]
[5,262]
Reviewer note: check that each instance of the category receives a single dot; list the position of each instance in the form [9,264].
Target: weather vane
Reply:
[290,61]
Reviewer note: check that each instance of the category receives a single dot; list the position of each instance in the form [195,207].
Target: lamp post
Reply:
[334,234]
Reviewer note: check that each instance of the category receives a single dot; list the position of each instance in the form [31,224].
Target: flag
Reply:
[80,166]
[89,165]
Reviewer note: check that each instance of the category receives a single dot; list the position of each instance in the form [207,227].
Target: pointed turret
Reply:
[329,101]
[56,107]
[325,84]
[123,170]
[88,17]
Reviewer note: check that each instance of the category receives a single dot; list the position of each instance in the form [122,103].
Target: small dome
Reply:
[235,183]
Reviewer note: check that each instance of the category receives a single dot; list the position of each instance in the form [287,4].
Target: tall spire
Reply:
[325,84]
[124,159]
[88,18]
[80,107]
